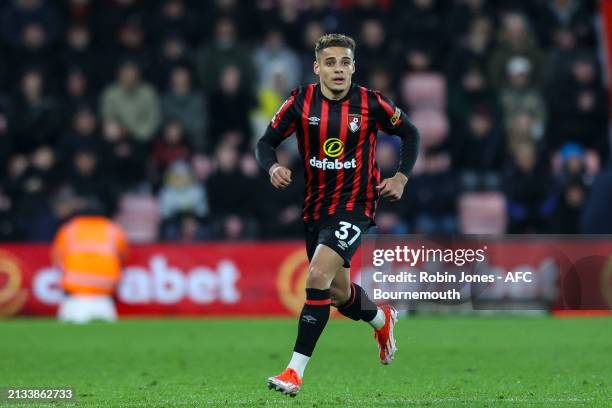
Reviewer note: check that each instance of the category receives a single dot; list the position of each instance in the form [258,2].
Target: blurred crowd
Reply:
[103,99]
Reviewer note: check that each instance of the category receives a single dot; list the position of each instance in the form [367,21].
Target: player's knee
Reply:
[339,295]
[318,278]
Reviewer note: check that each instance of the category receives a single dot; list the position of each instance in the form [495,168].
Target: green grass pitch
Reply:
[449,361]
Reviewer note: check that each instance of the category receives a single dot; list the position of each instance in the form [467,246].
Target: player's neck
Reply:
[332,95]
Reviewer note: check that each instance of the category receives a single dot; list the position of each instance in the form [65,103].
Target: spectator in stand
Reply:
[381,79]
[187,228]
[272,94]
[520,129]
[80,56]
[373,49]
[249,169]
[37,116]
[595,217]
[515,39]
[30,28]
[465,13]
[283,15]
[80,11]
[131,44]
[90,183]
[571,15]
[230,107]
[123,156]
[520,97]
[173,17]
[434,195]
[359,11]
[531,192]
[232,209]
[112,15]
[312,32]
[573,182]
[132,103]
[171,147]
[18,15]
[181,198]
[478,147]
[573,165]
[83,134]
[270,97]
[172,52]
[240,12]
[224,51]
[579,109]
[420,26]
[31,181]
[476,45]
[324,12]
[187,107]
[111,58]
[272,57]
[559,60]
[77,94]
[468,83]
[16,167]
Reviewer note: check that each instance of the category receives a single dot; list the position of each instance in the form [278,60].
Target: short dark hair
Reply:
[334,40]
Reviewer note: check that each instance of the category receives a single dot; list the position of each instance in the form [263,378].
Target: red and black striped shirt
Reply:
[337,141]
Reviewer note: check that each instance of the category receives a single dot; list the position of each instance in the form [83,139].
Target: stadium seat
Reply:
[432,125]
[482,213]
[139,216]
[424,90]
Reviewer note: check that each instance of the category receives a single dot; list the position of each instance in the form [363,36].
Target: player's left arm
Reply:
[393,121]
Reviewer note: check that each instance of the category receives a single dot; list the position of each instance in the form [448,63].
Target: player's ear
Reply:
[353,69]
[315,67]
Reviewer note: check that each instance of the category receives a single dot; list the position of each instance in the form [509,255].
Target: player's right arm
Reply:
[281,126]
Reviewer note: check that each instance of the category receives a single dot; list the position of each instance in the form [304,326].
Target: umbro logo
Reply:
[342,245]
[313,120]
[309,319]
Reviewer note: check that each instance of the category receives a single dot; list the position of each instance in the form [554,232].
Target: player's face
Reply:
[335,67]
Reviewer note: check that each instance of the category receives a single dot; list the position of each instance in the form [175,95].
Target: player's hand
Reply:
[280,176]
[392,188]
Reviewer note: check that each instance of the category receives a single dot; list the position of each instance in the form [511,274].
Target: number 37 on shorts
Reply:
[342,235]
[347,234]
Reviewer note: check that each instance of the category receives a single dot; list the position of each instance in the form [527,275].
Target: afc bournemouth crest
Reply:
[354,122]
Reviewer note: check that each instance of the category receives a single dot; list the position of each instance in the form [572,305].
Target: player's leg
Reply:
[315,313]
[313,318]
[340,289]
[353,302]
[343,234]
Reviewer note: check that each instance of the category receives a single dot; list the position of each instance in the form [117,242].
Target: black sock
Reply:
[313,319]
[359,305]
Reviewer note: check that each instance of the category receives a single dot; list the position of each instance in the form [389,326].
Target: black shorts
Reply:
[340,232]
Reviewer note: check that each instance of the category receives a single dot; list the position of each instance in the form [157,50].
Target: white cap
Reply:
[519,65]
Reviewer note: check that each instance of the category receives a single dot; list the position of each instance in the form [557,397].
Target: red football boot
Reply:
[288,382]
[384,336]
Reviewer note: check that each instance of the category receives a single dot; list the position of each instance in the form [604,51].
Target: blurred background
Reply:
[148,112]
